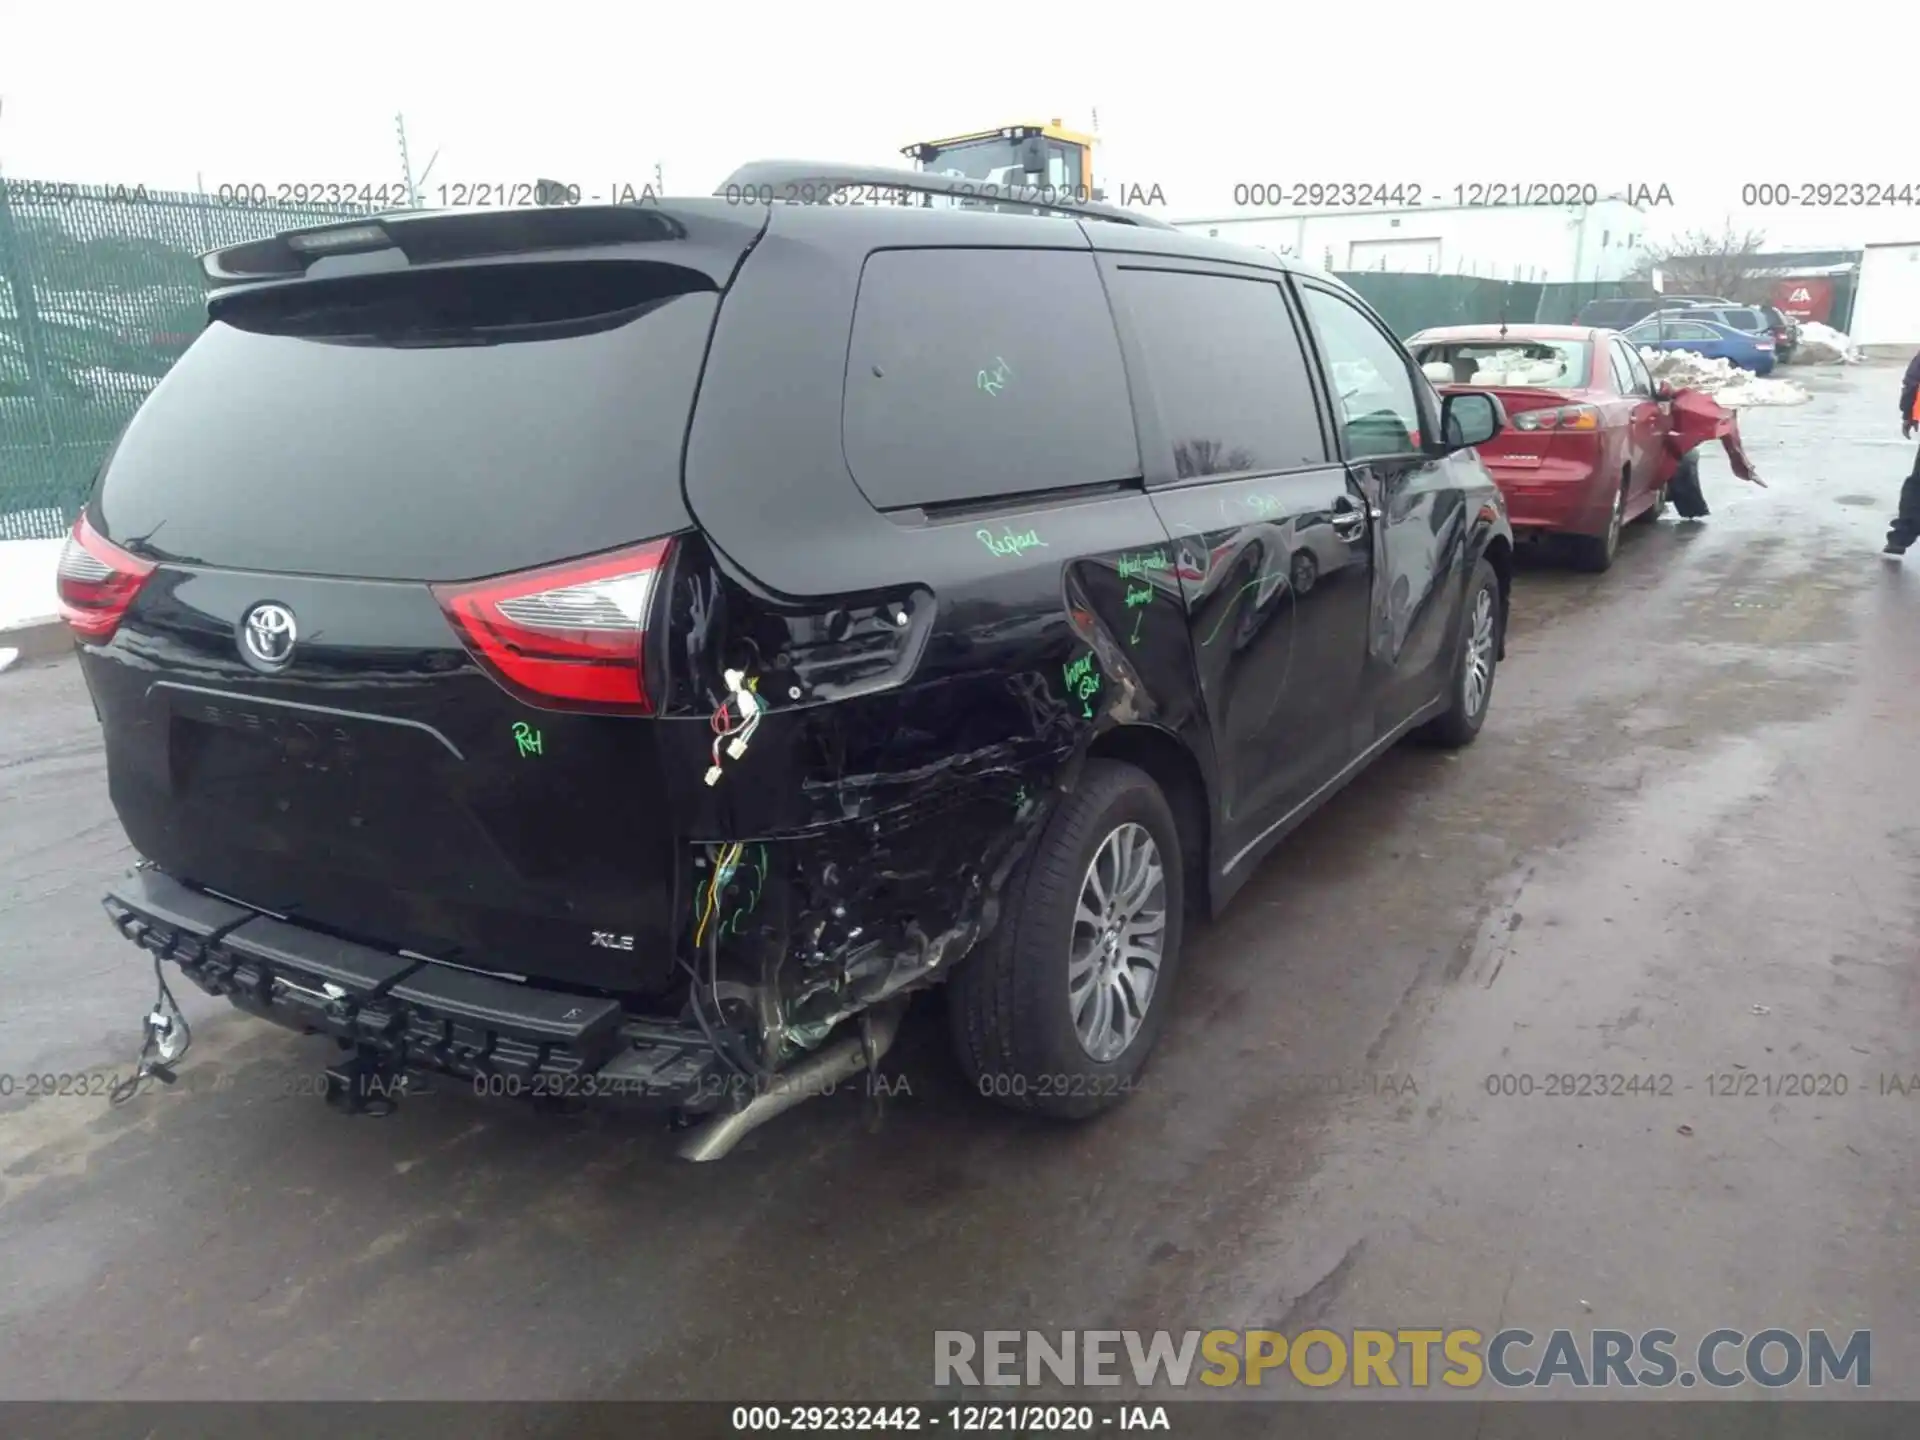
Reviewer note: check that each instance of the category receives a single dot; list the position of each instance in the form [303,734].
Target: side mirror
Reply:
[1470,418]
[1033,160]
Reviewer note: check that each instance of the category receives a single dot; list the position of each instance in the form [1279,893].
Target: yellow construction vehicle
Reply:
[1042,156]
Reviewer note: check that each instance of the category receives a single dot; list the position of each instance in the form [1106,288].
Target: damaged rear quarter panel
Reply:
[882,826]
[899,770]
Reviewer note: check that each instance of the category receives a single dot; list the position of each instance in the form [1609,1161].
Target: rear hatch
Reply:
[372,581]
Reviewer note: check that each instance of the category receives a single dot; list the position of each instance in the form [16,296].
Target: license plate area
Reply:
[355,796]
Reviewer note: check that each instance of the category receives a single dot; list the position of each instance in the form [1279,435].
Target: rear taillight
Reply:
[570,636]
[1558,417]
[96,581]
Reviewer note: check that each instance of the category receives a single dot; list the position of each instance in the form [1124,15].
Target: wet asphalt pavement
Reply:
[1687,844]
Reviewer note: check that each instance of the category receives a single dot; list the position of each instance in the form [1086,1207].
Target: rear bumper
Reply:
[416,1014]
[1563,504]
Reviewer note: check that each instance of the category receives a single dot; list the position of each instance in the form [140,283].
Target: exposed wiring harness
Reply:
[723,870]
[735,734]
[706,938]
[165,1039]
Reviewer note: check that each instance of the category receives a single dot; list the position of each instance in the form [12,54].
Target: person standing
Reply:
[1906,522]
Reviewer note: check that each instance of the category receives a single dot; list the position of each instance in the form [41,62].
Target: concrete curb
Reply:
[38,639]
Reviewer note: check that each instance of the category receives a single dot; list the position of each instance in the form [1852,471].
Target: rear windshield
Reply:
[1526,364]
[440,425]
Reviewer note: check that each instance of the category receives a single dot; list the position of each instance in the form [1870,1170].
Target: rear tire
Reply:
[1595,553]
[1659,506]
[1025,1009]
[1470,689]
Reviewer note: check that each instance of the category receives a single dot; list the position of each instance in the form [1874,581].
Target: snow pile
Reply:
[1824,345]
[1722,379]
[26,581]
[1753,390]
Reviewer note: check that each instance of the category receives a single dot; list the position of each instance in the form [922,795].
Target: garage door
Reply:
[1886,310]
[1399,256]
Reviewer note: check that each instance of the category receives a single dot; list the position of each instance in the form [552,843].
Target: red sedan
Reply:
[1585,448]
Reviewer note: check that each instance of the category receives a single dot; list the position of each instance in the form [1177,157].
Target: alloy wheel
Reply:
[1478,678]
[1118,943]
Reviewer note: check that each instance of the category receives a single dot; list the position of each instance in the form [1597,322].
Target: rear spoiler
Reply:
[716,234]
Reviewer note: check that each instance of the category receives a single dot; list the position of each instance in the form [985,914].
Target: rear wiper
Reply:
[143,546]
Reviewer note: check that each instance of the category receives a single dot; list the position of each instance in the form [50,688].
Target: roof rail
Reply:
[815,182]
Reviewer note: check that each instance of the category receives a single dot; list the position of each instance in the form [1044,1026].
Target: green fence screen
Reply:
[100,291]
[1412,302]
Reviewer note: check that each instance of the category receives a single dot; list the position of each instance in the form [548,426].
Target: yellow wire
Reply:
[729,858]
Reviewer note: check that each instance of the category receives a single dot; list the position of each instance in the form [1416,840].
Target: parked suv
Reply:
[603,650]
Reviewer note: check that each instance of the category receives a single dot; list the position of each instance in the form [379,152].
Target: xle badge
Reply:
[607,940]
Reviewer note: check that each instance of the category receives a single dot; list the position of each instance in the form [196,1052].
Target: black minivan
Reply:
[601,650]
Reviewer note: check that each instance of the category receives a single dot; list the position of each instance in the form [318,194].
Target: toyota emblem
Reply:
[266,636]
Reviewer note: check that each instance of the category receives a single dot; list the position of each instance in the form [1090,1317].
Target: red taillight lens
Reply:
[1558,417]
[567,636]
[97,581]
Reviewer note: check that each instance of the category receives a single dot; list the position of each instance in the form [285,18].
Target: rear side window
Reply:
[1639,381]
[440,425]
[1745,319]
[976,374]
[1228,371]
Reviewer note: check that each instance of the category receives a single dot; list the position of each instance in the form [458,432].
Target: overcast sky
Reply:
[1194,98]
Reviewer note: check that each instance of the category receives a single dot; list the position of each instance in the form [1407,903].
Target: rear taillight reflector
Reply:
[1558,417]
[567,636]
[96,581]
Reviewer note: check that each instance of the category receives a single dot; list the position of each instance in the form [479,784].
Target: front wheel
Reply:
[1470,691]
[1058,1010]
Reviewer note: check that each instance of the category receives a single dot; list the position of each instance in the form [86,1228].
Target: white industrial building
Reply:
[1886,305]
[1510,242]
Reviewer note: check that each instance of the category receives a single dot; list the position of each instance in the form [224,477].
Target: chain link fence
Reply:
[100,292]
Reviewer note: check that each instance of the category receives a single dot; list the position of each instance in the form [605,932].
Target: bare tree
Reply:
[1701,262]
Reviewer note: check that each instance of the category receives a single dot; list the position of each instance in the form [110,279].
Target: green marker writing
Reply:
[1010,543]
[1134,565]
[1083,683]
[527,738]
